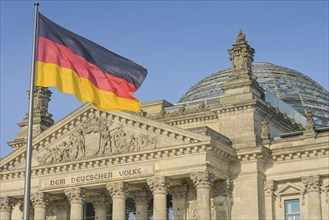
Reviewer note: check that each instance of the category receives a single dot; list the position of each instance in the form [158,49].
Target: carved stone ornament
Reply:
[75,195]
[158,184]
[269,186]
[60,205]
[202,179]
[40,200]
[178,192]
[325,191]
[100,201]
[41,99]
[265,135]
[180,111]
[312,183]
[310,127]
[192,210]
[222,187]
[141,197]
[96,136]
[117,189]
[242,56]
[212,209]
[6,204]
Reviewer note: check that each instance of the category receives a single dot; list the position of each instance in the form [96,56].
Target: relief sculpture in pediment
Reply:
[97,136]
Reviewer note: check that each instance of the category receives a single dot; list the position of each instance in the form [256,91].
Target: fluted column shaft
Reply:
[312,185]
[76,197]
[5,214]
[118,191]
[160,205]
[158,186]
[40,203]
[5,208]
[202,182]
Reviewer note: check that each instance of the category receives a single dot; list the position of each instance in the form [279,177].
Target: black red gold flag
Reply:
[78,66]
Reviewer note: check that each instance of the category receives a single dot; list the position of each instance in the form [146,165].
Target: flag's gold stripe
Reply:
[68,81]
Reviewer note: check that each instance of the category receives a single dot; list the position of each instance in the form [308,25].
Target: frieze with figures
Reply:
[96,136]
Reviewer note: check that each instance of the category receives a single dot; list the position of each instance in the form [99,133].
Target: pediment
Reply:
[92,133]
[288,189]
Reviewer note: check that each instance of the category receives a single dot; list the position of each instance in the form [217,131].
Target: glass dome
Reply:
[297,90]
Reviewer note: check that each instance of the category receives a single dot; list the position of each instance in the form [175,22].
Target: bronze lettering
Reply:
[130,172]
[57,182]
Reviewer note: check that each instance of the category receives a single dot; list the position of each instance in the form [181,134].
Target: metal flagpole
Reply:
[27,184]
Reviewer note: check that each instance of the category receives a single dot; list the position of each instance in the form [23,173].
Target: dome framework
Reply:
[294,88]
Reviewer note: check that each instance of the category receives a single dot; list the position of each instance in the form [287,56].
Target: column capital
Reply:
[222,187]
[141,196]
[202,179]
[6,204]
[269,187]
[158,184]
[312,183]
[178,191]
[75,195]
[100,201]
[117,189]
[61,204]
[40,200]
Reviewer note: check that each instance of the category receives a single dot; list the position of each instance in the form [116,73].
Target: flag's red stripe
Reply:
[51,52]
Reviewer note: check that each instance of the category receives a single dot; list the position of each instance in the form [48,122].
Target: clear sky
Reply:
[179,42]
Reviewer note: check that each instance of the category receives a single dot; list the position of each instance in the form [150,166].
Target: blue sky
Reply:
[179,42]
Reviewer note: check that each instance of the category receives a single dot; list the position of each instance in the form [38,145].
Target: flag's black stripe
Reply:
[106,60]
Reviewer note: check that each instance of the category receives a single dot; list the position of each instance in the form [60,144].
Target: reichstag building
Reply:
[248,142]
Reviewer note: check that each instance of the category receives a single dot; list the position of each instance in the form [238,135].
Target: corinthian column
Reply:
[118,192]
[5,208]
[76,197]
[158,186]
[100,204]
[312,185]
[179,201]
[141,199]
[40,202]
[202,182]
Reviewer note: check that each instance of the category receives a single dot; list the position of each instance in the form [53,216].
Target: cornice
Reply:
[266,110]
[221,109]
[253,154]
[151,155]
[279,119]
[301,152]
[181,116]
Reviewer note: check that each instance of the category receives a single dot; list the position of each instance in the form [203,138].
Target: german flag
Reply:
[85,69]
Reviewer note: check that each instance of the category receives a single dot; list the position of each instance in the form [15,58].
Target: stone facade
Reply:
[236,159]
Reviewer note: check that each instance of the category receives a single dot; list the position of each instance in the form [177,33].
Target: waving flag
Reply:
[85,69]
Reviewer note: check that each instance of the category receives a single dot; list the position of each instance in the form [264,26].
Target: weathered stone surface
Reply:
[239,158]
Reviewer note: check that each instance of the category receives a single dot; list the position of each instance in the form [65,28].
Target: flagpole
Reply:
[28,162]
